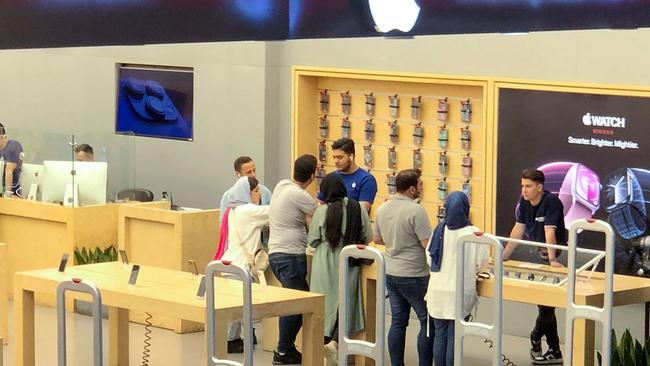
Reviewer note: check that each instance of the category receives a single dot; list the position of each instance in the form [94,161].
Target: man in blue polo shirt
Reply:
[540,218]
[360,184]
[12,154]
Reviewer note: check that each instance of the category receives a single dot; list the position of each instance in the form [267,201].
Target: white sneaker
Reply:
[331,354]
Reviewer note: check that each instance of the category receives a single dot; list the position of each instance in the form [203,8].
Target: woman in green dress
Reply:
[340,222]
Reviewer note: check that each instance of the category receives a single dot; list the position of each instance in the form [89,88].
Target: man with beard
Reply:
[360,185]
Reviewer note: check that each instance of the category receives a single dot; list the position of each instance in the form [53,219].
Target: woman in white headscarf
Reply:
[246,220]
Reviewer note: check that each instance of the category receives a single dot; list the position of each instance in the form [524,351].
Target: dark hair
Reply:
[344,144]
[535,175]
[253,182]
[304,167]
[85,148]
[241,161]
[3,131]
[406,179]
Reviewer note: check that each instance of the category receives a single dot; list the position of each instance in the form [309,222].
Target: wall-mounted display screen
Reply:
[593,150]
[155,102]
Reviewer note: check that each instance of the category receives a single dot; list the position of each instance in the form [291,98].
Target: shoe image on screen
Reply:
[577,186]
[626,195]
[155,102]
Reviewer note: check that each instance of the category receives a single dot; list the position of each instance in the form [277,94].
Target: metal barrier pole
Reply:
[573,311]
[76,285]
[244,274]
[347,346]
[463,328]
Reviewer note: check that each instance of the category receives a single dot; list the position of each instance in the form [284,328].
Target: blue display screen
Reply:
[155,102]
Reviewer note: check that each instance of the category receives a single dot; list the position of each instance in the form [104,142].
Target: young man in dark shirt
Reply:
[540,218]
[11,152]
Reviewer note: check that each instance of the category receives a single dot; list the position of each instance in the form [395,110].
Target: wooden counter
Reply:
[168,239]
[38,233]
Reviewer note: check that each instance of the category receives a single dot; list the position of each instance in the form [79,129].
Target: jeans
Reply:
[291,271]
[443,344]
[405,293]
[546,325]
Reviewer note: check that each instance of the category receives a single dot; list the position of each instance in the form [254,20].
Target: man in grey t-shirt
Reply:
[403,227]
[289,215]
[12,154]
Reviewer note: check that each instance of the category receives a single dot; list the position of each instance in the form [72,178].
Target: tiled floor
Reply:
[170,349]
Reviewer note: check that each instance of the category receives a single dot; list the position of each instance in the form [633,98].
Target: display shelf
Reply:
[309,83]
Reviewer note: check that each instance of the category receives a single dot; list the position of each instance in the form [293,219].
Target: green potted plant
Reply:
[89,256]
[628,352]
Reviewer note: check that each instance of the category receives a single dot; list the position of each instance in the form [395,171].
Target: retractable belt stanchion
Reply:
[463,328]
[245,276]
[77,285]
[573,311]
[349,346]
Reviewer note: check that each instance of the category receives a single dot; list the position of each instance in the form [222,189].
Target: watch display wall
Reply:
[398,123]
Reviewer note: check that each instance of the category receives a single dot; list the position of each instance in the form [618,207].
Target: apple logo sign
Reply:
[586,119]
[394,14]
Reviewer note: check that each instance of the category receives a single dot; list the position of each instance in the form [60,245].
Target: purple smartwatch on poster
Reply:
[577,186]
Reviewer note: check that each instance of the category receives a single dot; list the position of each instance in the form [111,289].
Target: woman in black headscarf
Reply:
[340,222]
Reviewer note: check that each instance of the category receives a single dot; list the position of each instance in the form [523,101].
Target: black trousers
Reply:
[546,325]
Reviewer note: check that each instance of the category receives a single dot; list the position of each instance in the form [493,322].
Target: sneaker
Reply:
[535,349]
[331,354]
[551,357]
[292,357]
[236,346]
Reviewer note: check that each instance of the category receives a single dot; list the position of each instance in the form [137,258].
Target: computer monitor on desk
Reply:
[90,178]
[31,174]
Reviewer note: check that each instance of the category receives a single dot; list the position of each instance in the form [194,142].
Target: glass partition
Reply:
[102,166]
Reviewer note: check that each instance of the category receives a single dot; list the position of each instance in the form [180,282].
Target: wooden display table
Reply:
[38,233]
[168,239]
[627,290]
[170,293]
[4,308]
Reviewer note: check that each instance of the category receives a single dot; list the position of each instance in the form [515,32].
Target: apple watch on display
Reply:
[324,127]
[393,105]
[626,195]
[392,158]
[393,131]
[370,130]
[577,186]
[370,105]
[417,159]
[324,101]
[367,156]
[418,134]
[443,137]
[442,189]
[416,103]
[443,110]
[345,127]
[346,103]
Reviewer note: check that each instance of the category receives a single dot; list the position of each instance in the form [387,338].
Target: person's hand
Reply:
[506,254]
[555,263]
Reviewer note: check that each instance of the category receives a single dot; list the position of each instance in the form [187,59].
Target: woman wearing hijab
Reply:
[441,293]
[340,222]
[246,219]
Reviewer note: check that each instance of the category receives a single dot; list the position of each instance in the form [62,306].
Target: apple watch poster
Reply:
[155,102]
[593,150]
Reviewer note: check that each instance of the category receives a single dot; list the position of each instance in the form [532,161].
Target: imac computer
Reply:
[90,178]
[31,174]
